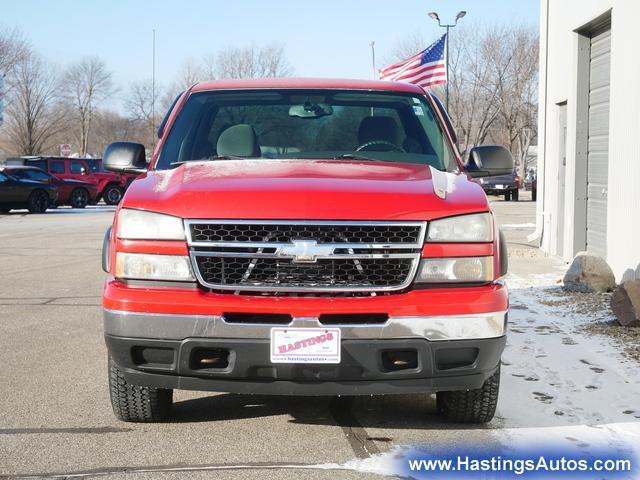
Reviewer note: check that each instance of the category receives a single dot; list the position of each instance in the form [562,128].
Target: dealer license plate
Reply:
[305,345]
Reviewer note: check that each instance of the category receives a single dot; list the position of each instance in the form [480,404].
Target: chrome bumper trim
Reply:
[433,328]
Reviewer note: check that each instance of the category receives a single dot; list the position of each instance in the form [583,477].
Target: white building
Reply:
[589,131]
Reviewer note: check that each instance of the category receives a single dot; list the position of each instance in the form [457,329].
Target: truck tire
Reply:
[514,195]
[38,201]
[133,403]
[471,406]
[79,198]
[534,194]
[507,196]
[112,194]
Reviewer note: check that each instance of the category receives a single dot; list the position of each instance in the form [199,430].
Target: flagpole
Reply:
[446,47]
[373,59]
[153,91]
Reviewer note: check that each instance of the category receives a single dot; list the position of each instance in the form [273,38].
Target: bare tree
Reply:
[404,49]
[110,126]
[513,53]
[492,84]
[190,72]
[34,112]
[248,62]
[13,49]
[87,83]
[142,107]
[231,62]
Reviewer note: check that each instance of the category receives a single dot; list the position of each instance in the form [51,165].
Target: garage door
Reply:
[598,150]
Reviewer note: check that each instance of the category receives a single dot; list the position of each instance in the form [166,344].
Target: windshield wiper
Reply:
[353,156]
[212,157]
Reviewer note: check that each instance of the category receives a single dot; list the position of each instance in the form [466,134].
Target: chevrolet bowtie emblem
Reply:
[305,251]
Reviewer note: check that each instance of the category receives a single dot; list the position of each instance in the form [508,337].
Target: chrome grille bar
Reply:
[308,262]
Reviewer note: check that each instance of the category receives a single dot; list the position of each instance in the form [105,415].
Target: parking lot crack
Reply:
[356,435]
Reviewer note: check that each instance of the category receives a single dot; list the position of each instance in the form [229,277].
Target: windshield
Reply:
[307,124]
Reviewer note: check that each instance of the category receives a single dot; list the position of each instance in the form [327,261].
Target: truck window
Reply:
[312,124]
[56,167]
[94,165]
[77,168]
[36,175]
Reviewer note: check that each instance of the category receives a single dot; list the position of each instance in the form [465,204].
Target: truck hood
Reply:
[305,189]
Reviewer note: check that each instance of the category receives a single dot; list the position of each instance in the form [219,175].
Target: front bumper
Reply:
[492,190]
[452,353]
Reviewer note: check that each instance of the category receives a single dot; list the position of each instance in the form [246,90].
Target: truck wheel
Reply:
[514,195]
[534,194]
[507,196]
[112,194]
[79,198]
[471,406]
[38,201]
[133,403]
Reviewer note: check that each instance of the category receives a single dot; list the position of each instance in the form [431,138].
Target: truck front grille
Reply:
[285,256]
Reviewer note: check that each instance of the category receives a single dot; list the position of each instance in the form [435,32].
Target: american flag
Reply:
[425,68]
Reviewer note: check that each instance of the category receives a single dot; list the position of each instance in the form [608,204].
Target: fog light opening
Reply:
[209,358]
[395,360]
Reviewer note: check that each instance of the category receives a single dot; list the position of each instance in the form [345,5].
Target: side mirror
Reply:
[125,157]
[489,160]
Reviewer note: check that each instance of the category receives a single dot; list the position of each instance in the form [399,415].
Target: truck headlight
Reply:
[448,270]
[141,225]
[477,227]
[141,266]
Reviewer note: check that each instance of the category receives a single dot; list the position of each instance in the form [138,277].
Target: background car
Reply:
[76,193]
[111,186]
[17,193]
[507,185]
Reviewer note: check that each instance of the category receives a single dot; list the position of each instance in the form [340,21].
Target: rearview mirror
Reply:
[125,157]
[310,110]
[488,161]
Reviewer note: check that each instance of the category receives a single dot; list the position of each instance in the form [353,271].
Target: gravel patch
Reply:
[600,320]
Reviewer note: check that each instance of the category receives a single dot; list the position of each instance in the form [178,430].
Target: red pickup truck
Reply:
[305,237]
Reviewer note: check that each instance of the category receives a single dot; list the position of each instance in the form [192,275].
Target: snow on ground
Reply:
[560,386]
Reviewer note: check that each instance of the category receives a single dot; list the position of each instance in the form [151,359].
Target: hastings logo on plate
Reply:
[305,345]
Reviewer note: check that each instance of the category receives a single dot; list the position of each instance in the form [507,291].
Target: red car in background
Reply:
[110,186]
[76,193]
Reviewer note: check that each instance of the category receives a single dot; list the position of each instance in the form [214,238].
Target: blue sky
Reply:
[327,38]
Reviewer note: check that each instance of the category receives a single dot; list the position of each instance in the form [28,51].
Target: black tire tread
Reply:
[31,207]
[107,188]
[471,406]
[134,403]
[72,194]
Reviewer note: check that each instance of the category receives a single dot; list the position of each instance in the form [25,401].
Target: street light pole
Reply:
[448,26]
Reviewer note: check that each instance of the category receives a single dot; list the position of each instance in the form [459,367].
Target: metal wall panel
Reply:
[598,145]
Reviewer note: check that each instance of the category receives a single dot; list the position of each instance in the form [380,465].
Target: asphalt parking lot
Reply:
[55,415]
